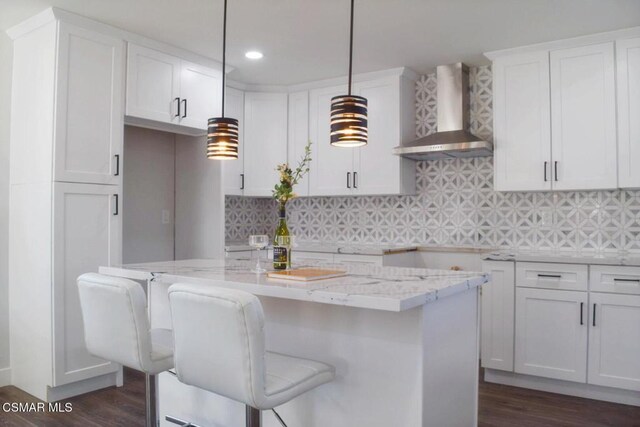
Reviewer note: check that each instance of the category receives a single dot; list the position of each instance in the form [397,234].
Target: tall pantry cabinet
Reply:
[65,197]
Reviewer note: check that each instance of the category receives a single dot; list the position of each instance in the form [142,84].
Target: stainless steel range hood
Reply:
[452,138]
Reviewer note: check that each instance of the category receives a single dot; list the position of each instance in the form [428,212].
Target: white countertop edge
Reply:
[319,296]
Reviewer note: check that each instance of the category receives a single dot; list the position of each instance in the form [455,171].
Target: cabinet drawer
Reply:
[615,279]
[571,277]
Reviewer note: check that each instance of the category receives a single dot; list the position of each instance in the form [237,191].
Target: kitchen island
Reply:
[404,342]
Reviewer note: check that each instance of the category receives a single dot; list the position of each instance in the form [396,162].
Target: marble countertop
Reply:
[365,286]
[582,257]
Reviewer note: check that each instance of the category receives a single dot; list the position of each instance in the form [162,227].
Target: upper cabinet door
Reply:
[377,170]
[583,118]
[332,167]
[233,170]
[265,138]
[153,85]
[89,107]
[200,95]
[628,55]
[298,135]
[522,131]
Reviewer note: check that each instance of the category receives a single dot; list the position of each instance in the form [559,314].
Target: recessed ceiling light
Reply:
[254,54]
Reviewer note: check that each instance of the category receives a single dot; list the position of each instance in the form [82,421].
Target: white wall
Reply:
[6,59]
[199,201]
[148,189]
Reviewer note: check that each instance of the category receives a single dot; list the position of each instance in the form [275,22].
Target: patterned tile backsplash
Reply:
[455,203]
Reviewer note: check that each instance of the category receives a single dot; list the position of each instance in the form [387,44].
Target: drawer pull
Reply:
[615,279]
[550,276]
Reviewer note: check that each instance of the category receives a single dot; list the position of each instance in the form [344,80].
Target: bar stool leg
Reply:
[253,416]
[150,396]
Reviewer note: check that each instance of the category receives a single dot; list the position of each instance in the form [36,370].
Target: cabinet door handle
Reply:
[615,279]
[116,203]
[545,171]
[550,276]
[117,156]
[185,108]
[355,182]
[242,181]
[582,313]
[348,179]
[555,170]
[594,314]
[178,107]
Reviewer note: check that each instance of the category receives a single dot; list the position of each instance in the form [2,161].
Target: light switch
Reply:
[166,216]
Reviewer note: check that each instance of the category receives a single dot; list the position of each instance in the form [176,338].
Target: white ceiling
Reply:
[306,40]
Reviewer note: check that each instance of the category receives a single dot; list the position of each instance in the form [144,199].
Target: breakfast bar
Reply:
[404,342]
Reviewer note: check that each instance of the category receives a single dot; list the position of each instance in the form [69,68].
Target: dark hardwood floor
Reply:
[499,406]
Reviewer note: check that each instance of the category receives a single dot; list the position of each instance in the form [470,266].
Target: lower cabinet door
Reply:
[551,334]
[497,327]
[87,235]
[614,340]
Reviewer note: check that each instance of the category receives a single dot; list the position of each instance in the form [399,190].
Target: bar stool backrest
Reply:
[116,326]
[219,341]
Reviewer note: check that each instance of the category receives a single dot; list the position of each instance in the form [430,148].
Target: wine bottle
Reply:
[280,251]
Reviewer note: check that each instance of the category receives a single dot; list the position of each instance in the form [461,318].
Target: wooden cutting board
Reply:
[306,274]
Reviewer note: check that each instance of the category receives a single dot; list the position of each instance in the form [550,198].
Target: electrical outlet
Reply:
[166,216]
[546,217]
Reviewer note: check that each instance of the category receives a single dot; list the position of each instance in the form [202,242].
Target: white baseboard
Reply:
[588,391]
[5,377]
[85,386]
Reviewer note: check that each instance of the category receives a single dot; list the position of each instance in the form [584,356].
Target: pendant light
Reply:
[349,112]
[222,132]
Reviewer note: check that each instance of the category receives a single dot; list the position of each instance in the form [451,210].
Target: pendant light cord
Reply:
[224,53]
[350,48]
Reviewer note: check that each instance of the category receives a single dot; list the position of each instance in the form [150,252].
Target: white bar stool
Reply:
[116,328]
[220,347]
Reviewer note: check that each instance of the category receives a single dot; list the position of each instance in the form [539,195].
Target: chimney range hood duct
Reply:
[452,138]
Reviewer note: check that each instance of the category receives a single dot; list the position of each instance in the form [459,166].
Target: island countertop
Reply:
[364,286]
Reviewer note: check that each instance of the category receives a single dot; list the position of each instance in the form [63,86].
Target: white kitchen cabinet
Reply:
[583,118]
[551,334]
[168,93]
[498,311]
[89,106]
[67,125]
[371,169]
[265,138]
[391,114]
[153,84]
[628,82]
[522,127]
[332,167]
[298,124]
[614,340]
[200,94]
[233,170]
[87,235]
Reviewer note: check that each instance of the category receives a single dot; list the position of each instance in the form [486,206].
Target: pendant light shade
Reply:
[348,121]
[349,112]
[222,138]
[222,132]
